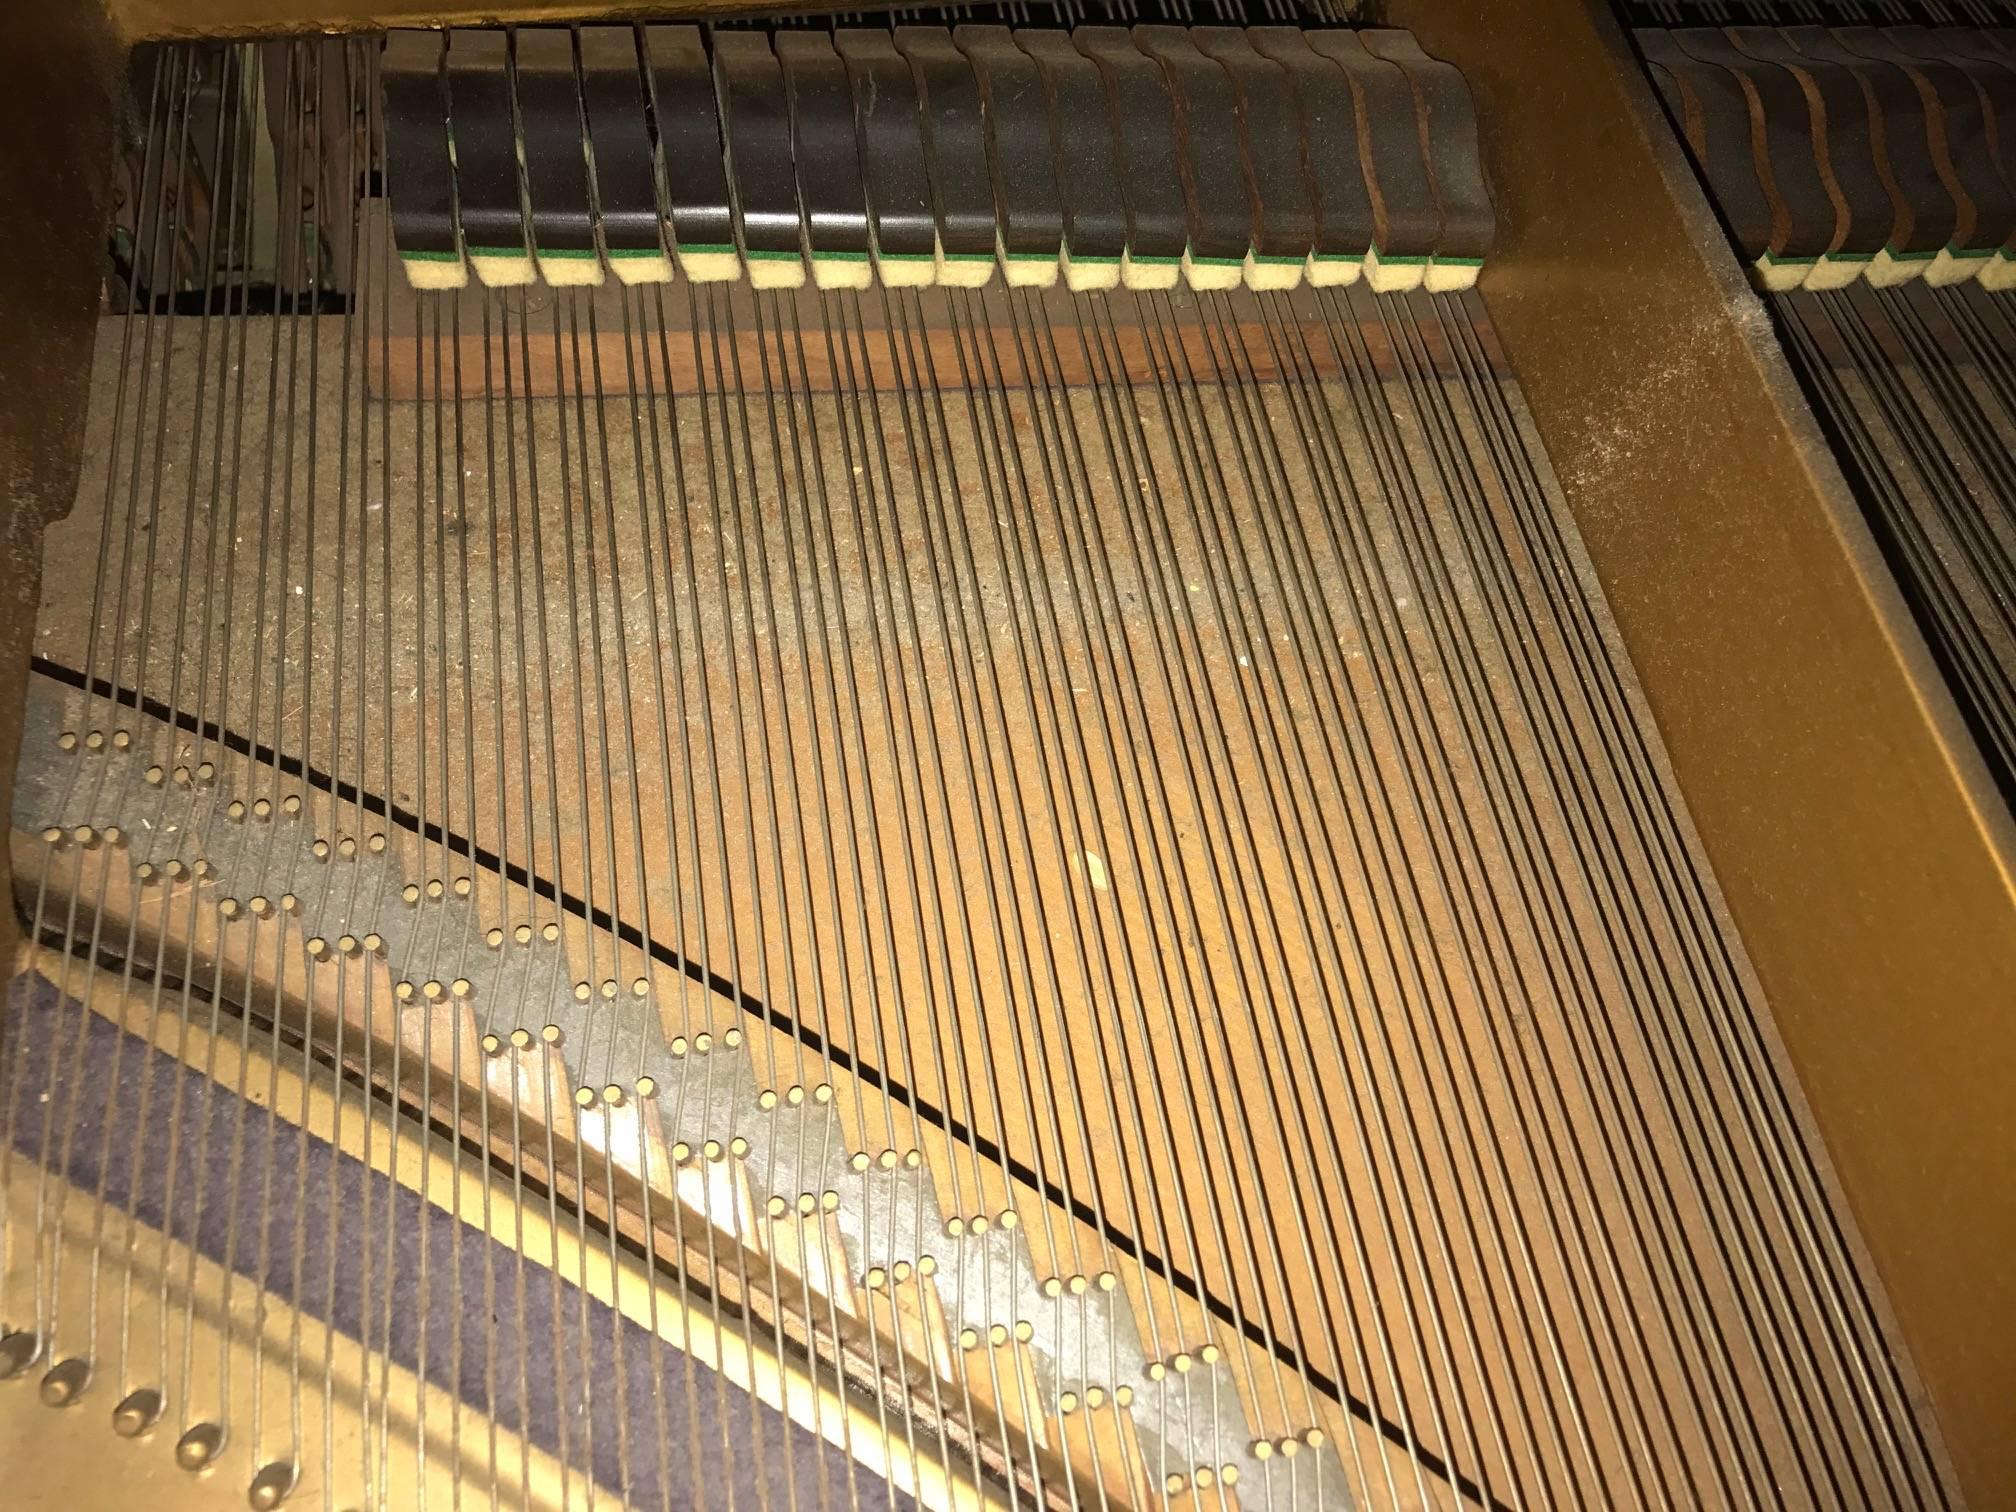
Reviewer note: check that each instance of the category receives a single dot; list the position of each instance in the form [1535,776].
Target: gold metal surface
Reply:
[1862,850]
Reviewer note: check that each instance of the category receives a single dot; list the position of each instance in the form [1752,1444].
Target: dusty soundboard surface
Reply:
[1031,896]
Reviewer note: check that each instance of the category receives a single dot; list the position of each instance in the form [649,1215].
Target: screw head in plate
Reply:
[65,1382]
[18,1350]
[137,1412]
[271,1486]
[199,1446]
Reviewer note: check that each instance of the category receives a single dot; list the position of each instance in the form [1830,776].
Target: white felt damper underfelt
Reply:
[641,267]
[1834,272]
[1779,275]
[1028,272]
[710,264]
[833,271]
[1083,277]
[1272,273]
[571,270]
[776,272]
[1451,275]
[962,272]
[503,270]
[1998,274]
[1952,266]
[908,271]
[1210,275]
[1334,272]
[1886,270]
[435,273]
[1389,277]
[1158,274]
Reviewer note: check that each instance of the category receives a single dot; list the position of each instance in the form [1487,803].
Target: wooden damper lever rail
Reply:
[1037,758]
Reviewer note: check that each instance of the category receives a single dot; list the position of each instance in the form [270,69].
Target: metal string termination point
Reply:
[66,1381]
[18,1350]
[271,1485]
[137,1412]
[199,1446]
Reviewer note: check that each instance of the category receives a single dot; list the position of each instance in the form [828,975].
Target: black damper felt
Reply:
[419,175]
[889,123]
[1405,218]
[486,149]
[1448,119]
[689,138]
[824,147]
[756,127]
[1143,117]
[619,132]
[1216,193]
[1270,139]
[1329,137]
[955,142]
[549,117]
[1714,113]
[1089,172]
[1021,152]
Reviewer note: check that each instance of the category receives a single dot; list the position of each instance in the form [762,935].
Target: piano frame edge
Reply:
[1860,844]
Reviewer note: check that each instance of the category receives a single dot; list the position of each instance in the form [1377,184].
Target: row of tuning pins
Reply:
[1819,12]
[1069,13]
